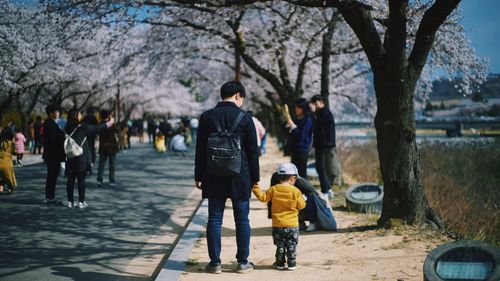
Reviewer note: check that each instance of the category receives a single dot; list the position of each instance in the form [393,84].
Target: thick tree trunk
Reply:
[398,154]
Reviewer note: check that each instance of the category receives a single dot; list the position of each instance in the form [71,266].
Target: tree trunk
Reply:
[237,64]
[398,154]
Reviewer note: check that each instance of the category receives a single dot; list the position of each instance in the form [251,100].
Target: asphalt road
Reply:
[46,242]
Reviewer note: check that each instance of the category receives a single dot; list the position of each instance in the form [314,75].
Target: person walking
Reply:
[108,148]
[91,119]
[193,124]
[30,134]
[152,127]
[19,141]
[227,115]
[53,151]
[77,167]
[300,131]
[327,164]
[7,175]
[37,132]
[287,200]
[260,131]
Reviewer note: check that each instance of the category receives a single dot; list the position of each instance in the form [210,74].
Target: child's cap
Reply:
[287,169]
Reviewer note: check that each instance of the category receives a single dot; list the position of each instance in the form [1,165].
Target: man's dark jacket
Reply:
[108,143]
[53,146]
[324,129]
[239,186]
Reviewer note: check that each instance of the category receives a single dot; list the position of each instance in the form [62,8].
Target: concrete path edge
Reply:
[175,263]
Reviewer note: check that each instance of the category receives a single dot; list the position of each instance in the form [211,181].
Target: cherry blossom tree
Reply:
[401,41]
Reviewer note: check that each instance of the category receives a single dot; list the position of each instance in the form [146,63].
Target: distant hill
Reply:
[444,89]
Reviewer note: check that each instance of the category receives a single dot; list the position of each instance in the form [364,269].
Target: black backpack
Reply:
[224,150]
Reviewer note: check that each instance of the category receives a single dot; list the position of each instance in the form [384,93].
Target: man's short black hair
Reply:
[316,98]
[230,88]
[51,108]
[105,113]
[302,103]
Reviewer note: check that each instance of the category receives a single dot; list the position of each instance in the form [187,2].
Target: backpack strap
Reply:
[237,121]
[74,130]
[217,123]
[233,127]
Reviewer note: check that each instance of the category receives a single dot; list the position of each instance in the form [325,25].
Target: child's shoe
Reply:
[279,266]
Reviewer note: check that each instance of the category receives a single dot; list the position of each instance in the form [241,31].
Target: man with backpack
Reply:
[227,166]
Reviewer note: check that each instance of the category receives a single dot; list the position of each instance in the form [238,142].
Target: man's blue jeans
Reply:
[215,214]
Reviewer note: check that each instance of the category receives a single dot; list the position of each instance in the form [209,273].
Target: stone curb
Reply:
[175,264]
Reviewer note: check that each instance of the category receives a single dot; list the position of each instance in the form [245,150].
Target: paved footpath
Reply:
[124,234]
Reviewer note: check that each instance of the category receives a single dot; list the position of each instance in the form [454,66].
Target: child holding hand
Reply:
[286,200]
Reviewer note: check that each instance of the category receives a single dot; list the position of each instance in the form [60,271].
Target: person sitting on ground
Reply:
[7,176]
[286,200]
[160,142]
[178,144]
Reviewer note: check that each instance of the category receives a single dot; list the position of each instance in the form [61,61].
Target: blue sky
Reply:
[482,25]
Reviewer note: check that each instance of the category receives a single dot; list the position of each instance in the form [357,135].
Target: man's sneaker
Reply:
[312,227]
[71,204]
[279,266]
[51,201]
[99,183]
[302,225]
[216,269]
[112,184]
[329,194]
[244,267]
[292,266]
[82,205]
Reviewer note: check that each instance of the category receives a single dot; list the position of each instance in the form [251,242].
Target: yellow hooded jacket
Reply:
[286,201]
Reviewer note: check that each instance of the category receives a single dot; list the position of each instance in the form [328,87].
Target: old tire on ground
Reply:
[365,198]
[463,260]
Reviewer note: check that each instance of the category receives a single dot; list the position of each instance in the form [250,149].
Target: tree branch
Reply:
[431,21]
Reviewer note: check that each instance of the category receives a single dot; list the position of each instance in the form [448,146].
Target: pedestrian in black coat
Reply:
[53,151]
[326,158]
[91,120]
[77,167]
[238,187]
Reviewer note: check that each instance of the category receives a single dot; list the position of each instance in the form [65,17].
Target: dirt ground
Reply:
[357,251]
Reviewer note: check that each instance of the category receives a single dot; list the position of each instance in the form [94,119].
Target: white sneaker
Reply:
[112,184]
[70,204]
[82,205]
[99,183]
[329,194]
[312,227]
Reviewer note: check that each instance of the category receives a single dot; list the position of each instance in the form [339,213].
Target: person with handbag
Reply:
[78,166]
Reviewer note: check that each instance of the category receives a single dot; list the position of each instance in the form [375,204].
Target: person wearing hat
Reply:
[326,160]
[53,151]
[287,200]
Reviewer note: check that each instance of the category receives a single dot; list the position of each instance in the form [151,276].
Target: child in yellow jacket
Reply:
[286,200]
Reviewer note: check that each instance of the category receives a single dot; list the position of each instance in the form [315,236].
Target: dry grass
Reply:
[360,164]
[462,183]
